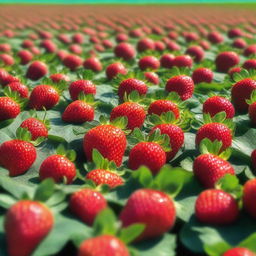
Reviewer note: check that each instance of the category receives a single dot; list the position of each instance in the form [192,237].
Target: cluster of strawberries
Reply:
[135,96]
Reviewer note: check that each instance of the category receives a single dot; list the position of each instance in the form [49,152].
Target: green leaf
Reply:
[144,176]
[61,150]
[216,249]
[249,242]
[44,190]
[128,234]
[6,201]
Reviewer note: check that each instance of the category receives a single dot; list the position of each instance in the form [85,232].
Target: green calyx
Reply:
[243,74]
[15,96]
[70,154]
[252,98]
[120,122]
[101,162]
[59,87]
[25,135]
[174,71]
[87,98]
[44,120]
[85,74]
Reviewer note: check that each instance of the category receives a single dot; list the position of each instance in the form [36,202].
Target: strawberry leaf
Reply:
[128,234]
[45,190]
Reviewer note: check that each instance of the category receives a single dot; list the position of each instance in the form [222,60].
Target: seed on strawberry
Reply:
[202,75]
[9,108]
[93,64]
[20,88]
[149,62]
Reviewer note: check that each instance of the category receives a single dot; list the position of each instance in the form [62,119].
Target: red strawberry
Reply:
[215,37]
[205,45]
[149,62]
[239,43]
[6,59]
[216,104]
[57,167]
[241,91]
[106,245]
[76,49]
[153,208]
[183,61]
[159,46]
[196,52]
[114,69]
[209,168]
[226,60]
[250,50]
[86,204]
[145,44]
[78,38]
[172,46]
[72,61]
[131,84]
[109,140]
[20,88]
[249,196]
[9,108]
[43,96]
[27,223]
[239,251]
[250,64]
[17,156]
[25,56]
[93,64]
[85,86]
[235,32]
[181,84]
[234,70]
[215,206]
[124,51]
[152,77]
[36,70]
[58,77]
[202,75]
[48,45]
[167,60]
[121,37]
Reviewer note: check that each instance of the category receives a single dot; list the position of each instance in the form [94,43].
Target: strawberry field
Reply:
[127,130]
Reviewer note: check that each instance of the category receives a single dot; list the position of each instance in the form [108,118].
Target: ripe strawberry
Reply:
[109,140]
[43,96]
[36,70]
[238,251]
[167,60]
[125,51]
[226,60]
[249,64]
[36,127]
[58,77]
[86,204]
[114,69]
[250,50]
[202,75]
[78,38]
[249,195]
[121,37]
[85,86]
[5,48]
[72,62]
[17,156]
[93,64]
[183,61]
[9,108]
[215,131]
[234,70]
[215,206]
[153,208]
[48,45]
[159,46]
[106,245]
[205,45]
[240,92]
[181,84]
[173,46]
[6,59]
[216,104]
[235,32]
[196,52]
[145,44]
[191,36]
[25,57]
[215,37]
[152,77]
[76,49]
[27,223]
[239,43]
[149,62]
[57,167]
[20,88]
[131,84]
[253,159]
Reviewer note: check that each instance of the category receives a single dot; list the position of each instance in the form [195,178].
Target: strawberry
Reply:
[152,77]
[93,64]
[253,159]
[121,37]
[238,251]
[36,70]
[249,196]
[233,71]
[216,104]
[25,57]
[149,62]
[78,38]
[215,206]
[6,59]
[191,36]
[151,207]
[196,52]
[58,77]
[181,84]
[240,92]
[86,204]
[235,32]
[20,88]
[108,139]
[205,45]
[85,86]
[250,50]
[167,60]
[106,245]
[76,49]
[43,96]
[114,69]
[182,61]
[159,46]
[215,37]
[26,224]
[202,75]
[145,44]
[249,64]
[125,51]
[173,46]
[9,108]
[252,113]
[239,43]
[48,45]
[226,60]
[72,61]
[131,84]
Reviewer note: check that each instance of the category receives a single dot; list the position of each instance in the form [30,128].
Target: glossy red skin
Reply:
[145,44]
[167,60]
[114,69]
[215,37]
[176,136]
[9,108]
[239,251]
[17,156]
[172,46]
[36,70]
[250,50]
[239,43]
[109,140]
[36,127]
[86,204]
[202,75]
[250,64]
[153,208]
[149,154]
[216,104]
[20,88]
[78,112]
[235,32]
[72,62]
[93,64]
[58,77]
[217,207]
[134,112]
[121,37]
[43,96]
[183,61]
[101,176]
[249,195]
[125,51]
[7,59]
[159,46]
[85,86]
[57,167]
[152,77]
[48,45]
[106,245]
[25,57]
[215,131]
[196,52]
[26,224]
[181,84]
[209,169]
[226,60]
[159,107]
[234,70]
[131,84]
[149,62]
[78,38]
[240,92]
